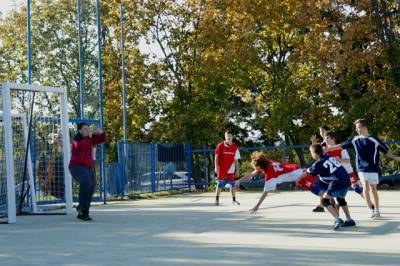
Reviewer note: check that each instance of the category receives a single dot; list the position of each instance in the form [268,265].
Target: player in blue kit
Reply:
[367,149]
[333,182]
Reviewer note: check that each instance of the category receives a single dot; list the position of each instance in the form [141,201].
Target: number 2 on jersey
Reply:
[277,167]
[332,164]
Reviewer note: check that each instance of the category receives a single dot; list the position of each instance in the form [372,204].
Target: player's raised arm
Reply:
[392,156]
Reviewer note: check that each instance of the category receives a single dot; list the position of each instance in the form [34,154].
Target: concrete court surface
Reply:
[189,230]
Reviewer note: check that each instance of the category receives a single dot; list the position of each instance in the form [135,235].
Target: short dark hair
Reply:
[228,132]
[363,122]
[79,126]
[331,134]
[317,148]
[325,127]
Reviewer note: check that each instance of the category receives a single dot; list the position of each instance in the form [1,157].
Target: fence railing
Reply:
[152,167]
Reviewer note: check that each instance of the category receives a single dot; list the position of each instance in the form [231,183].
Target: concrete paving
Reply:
[189,230]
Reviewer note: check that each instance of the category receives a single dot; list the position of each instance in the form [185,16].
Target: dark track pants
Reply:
[85,177]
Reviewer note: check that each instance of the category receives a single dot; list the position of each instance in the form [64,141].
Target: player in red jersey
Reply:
[275,173]
[227,166]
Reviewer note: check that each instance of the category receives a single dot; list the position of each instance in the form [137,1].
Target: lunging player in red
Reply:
[276,173]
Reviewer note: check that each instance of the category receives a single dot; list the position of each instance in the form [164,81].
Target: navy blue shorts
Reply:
[339,193]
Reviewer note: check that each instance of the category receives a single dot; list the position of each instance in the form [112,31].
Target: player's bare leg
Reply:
[217,193]
[375,195]
[233,192]
[367,197]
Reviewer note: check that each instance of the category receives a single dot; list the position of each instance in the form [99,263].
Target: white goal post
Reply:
[7,116]
[22,118]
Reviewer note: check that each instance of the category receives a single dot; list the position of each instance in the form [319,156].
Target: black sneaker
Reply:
[84,217]
[217,203]
[318,209]
[235,202]
[350,222]
[339,223]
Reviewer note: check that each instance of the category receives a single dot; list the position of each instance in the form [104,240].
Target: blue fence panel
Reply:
[114,180]
[171,168]
[136,167]
[151,167]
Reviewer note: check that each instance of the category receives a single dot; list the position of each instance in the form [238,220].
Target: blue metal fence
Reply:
[152,167]
[149,167]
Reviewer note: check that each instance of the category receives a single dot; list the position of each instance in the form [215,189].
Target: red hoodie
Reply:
[82,150]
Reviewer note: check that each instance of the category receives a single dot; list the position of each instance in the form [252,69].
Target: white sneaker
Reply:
[373,215]
[377,215]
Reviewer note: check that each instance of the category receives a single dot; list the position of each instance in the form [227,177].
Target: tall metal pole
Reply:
[81,77]
[123,92]
[32,104]
[100,66]
[123,73]
[28,25]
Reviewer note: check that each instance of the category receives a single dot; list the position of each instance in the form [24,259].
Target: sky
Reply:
[7,5]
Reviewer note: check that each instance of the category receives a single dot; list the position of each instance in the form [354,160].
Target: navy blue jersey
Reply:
[332,176]
[367,152]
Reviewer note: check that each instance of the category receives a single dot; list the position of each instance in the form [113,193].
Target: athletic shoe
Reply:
[377,215]
[84,217]
[339,223]
[318,209]
[235,202]
[216,203]
[373,216]
[350,222]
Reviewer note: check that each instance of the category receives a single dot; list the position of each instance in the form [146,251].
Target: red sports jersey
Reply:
[277,173]
[335,153]
[275,169]
[227,154]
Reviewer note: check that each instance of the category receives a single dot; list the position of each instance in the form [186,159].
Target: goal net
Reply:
[34,155]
